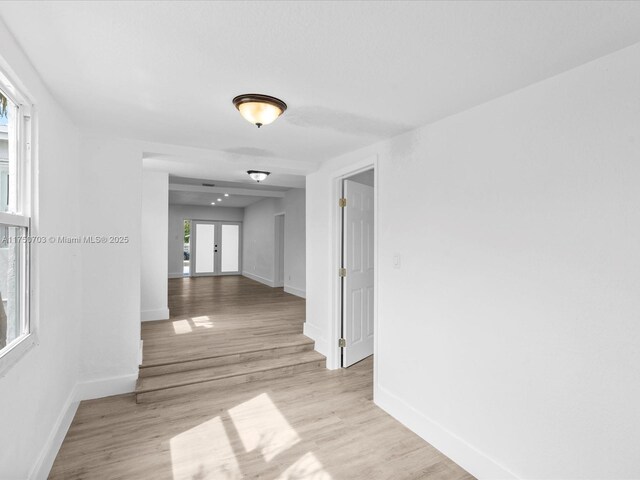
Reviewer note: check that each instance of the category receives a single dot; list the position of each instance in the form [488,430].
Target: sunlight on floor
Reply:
[204,452]
[204,322]
[181,326]
[213,449]
[262,427]
[307,468]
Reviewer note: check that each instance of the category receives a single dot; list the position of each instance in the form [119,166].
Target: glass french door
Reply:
[216,248]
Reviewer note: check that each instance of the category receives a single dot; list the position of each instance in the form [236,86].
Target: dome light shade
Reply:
[259,109]
[257,175]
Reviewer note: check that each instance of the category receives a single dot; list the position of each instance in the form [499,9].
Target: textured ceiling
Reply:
[352,73]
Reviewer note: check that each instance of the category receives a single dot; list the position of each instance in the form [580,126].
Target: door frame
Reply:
[334,359]
[193,241]
[277,261]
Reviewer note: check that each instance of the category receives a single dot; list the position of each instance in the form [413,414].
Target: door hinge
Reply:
[342,343]
[342,272]
[342,202]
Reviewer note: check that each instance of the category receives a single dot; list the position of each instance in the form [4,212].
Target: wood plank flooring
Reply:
[308,425]
[221,315]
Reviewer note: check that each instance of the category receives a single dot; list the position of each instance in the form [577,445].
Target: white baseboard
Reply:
[295,291]
[258,278]
[468,457]
[176,275]
[150,315]
[82,391]
[44,462]
[106,387]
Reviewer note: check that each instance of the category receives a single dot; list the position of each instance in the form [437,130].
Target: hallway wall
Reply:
[508,336]
[154,251]
[37,399]
[259,236]
[258,247]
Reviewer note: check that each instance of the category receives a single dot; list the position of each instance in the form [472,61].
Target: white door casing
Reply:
[358,260]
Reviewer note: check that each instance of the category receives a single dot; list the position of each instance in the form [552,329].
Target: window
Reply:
[15,135]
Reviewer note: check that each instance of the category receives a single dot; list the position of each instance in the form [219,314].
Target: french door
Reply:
[216,248]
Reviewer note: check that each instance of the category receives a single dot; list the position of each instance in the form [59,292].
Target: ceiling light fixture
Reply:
[257,175]
[226,194]
[213,203]
[259,109]
[219,199]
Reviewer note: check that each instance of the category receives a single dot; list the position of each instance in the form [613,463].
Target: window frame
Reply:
[21,217]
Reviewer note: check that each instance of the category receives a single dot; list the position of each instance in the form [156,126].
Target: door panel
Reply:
[358,260]
[205,251]
[216,248]
[230,246]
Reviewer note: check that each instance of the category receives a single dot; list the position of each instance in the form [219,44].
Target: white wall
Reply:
[154,251]
[111,185]
[509,336]
[258,248]
[178,214]
[259,241]
[37,394]
[295,273]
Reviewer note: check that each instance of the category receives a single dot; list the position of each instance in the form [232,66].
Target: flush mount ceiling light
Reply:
[259,109]
[257,175]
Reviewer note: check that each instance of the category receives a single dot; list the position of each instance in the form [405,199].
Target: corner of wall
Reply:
[151,315]
[258,278]
[49,451]
[464,454]
[295,291]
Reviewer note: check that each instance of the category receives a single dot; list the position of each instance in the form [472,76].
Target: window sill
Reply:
[15,351]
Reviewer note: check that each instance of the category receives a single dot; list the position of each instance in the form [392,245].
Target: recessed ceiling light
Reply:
[219,199]
[213,203]
[259,109]
[226,194]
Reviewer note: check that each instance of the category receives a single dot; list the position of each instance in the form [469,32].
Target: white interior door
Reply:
[358,260]
[216,248]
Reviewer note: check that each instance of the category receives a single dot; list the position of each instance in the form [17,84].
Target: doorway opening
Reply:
[186,249]
[278,271]
[216,248]
[357,267]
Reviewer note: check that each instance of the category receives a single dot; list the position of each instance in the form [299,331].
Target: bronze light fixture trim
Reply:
[259,109]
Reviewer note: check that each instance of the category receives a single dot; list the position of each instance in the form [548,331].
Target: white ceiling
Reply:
[205,199]
[192,191]
[352,73]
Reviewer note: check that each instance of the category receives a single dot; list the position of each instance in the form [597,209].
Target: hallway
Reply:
[218,315]
[316,424]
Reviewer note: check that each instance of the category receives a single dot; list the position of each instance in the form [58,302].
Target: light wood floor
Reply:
[220,315]
[316,425]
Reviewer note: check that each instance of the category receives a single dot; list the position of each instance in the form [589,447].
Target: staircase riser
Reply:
[212,385]
[224,360]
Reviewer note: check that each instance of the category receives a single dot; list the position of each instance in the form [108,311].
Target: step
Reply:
[173,385]
[297,344]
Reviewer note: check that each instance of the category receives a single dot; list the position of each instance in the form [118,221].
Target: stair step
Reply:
[297,344]
[171,385]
